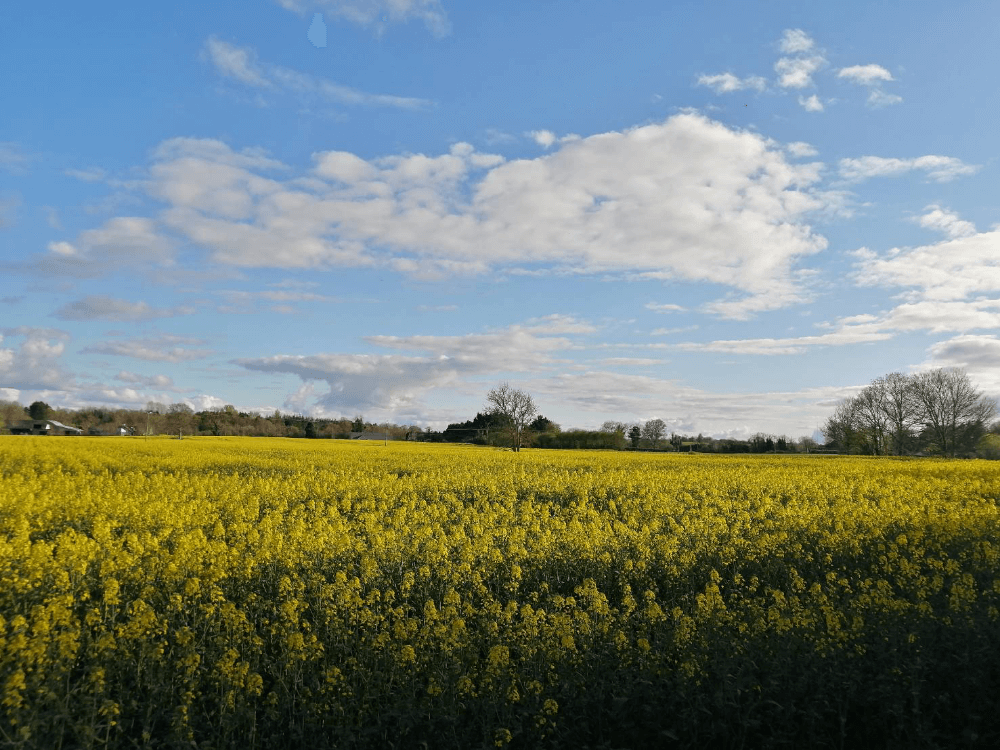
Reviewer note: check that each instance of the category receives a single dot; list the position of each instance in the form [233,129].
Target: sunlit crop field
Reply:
[259,593]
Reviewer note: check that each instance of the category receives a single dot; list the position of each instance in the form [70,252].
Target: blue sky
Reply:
[726,215]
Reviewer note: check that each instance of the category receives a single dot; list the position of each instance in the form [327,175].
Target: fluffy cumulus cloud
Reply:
[954,269]
[241,64]
[725,83]
[102,307]
[937,168]
[163,348]
[811,103]
[945,221]
[872,76]
[30,359]
[797,72]
[685,199]
[802,61]
[866,75]
[123,244]
[379,13]
[796,41]
[544,138]
[800,149]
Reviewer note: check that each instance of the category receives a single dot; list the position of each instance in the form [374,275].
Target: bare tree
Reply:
[953,412]
[515,407]
[900,409]
[613,426]
[653,431]
[872,420]
[843,427]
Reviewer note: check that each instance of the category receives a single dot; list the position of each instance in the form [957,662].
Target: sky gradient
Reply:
[728,217]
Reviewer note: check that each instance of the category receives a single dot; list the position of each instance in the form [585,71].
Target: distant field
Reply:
[258,593]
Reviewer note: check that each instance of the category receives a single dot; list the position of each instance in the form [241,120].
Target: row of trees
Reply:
[937,411]
[651,435]
[181,419]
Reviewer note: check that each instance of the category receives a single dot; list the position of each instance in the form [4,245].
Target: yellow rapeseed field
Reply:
[258,593]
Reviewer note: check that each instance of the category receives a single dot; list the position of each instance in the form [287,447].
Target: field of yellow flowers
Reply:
[260,593]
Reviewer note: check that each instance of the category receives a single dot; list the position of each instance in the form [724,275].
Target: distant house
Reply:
[367,435]
[43,427]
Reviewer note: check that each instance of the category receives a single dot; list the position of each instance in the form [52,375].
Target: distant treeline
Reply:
[181,419]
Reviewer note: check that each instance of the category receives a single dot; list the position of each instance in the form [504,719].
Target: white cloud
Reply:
[205,402]
[724,83]
[937,168]
[544,138]
[164,348]
[736,307]
[93,174]
[557,323]
[685,199]
[797,72]
[631,362]
[667,307]
[845,335]
[493,136]
[379,13]
[795,41]
[811,103]
[671,331]
[866,75]
[360,382]
[800,149]
[36,363]
[872,76]
[948,222]
[241,64]
[879,98]
[953,269]
[236,62]
[123,243]
[162,382]
[938,316]
[101,307]
[928,315]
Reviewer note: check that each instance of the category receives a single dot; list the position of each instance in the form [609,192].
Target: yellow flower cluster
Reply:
[253,592]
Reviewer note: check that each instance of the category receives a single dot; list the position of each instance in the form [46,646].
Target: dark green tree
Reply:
[39,410]
[543,424]
[635,435]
